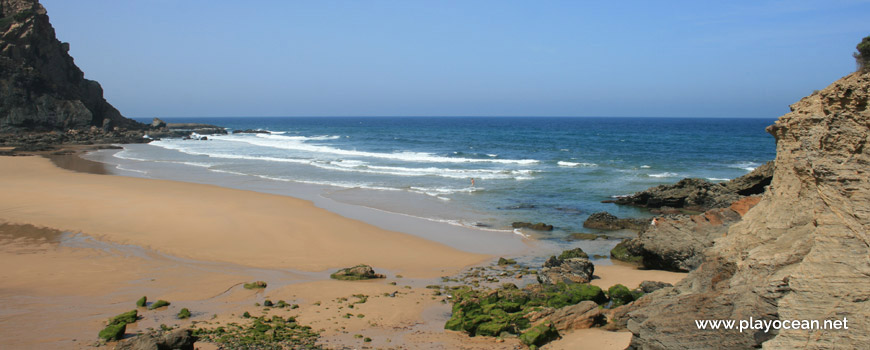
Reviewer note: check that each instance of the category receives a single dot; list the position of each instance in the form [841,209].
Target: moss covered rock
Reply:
[620,295]
[127,317]
[620,252]
[573,253]
[184,313]
[142,301]
[113,331]
[356,273]
[504,310]
[158,304]
[503,262]
[255,285]
[539,335]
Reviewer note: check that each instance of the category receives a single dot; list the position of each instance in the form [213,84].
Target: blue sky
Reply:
[162,58]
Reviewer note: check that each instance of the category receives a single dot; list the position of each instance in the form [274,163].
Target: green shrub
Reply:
[620,295]
[246,314]
[127,317]
[158,304]
[113,331]
[862,57]
[255,285]
[142,301]
[184,313]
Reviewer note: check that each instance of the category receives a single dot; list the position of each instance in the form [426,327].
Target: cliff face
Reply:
[802,253]
[40,86]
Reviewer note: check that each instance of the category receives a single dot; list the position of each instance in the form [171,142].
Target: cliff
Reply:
[41,89]
[802,253]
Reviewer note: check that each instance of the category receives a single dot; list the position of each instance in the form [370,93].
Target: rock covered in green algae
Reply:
[113,331]
[356,273]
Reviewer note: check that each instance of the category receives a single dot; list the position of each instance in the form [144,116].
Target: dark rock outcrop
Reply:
[537,227]
[607,221]
[179,339]
[700,195]
[41,89]
[250,131]
[800,254]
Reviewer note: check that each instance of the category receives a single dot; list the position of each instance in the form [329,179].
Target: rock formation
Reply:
[572,266]
[699,194]
[802,253]
[41,89]
[607,221]
[677,242]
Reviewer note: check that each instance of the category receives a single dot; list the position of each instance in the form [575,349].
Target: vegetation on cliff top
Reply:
[862,57]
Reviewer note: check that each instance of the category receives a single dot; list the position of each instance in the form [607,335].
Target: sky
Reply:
[163,58]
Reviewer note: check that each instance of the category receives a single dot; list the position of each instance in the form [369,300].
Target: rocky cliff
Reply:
[41,89]
[802,253]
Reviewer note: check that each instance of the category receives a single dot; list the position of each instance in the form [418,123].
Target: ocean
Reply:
[555,170]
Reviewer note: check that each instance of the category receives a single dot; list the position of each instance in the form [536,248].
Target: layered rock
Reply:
[800,254]
[41,89]
[699,194]
[677,242]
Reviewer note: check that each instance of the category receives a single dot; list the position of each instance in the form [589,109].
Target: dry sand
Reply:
[195,244]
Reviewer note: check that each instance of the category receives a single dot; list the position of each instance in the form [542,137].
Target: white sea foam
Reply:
[350,165]
[119,167]
[665,174]
[748,166]
[297,143]
[716,179]
[575,164]
[644,166]
[362,167]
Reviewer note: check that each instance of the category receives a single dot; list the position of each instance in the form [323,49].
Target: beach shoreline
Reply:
[163,265]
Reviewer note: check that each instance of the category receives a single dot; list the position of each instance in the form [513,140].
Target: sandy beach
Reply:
[86,246]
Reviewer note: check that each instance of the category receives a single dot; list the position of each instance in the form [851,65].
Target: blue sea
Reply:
[534,169]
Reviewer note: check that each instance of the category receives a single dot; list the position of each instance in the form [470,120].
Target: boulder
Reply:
[573,270]
[359,272]
[652,286]
[606,221]
[179,339]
